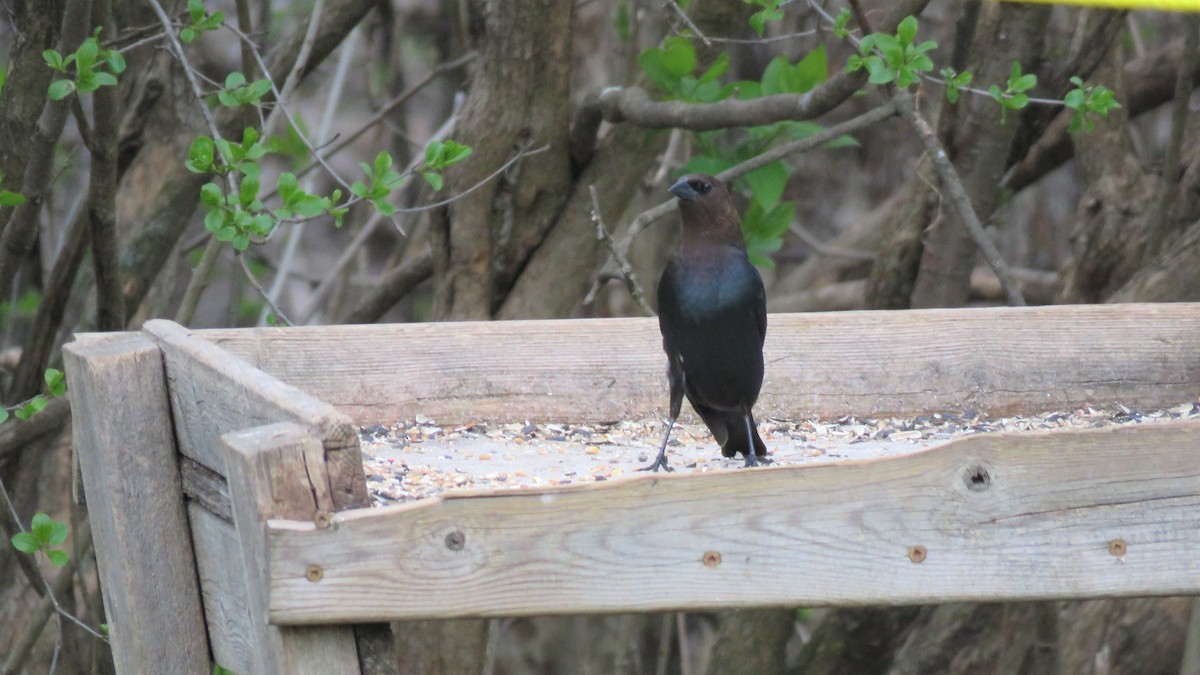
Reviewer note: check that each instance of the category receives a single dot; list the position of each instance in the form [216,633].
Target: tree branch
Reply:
[957,195]
[102,194]
[634,105]
[631,282]
[395,285]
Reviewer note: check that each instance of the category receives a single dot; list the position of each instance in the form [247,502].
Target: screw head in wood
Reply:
[456,540]
[917,553]
[314,573]
[1117,548]
[712,559]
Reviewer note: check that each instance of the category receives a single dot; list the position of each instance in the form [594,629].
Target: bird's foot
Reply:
[753,460]
[659,462]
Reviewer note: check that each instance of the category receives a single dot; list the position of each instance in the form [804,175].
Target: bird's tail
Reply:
[729,428]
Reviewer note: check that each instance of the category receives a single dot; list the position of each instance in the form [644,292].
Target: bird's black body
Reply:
[713,316]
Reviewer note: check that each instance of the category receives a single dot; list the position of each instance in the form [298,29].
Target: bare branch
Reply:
[631,282]
[816,140]
[504,167]
[191,296]
[957,194]
[102,194]
[261,291]
[395,285]
[825,249]
[690,24]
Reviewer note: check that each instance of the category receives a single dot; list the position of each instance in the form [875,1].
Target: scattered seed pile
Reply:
[418,458]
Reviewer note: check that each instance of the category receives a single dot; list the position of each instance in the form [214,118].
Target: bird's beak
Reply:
[684,191]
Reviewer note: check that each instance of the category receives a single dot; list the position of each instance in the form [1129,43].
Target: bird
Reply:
[712,312]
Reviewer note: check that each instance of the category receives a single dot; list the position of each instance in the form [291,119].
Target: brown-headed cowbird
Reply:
[712,311]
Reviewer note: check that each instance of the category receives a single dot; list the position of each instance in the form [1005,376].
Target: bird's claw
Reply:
[661,462]
[752,460]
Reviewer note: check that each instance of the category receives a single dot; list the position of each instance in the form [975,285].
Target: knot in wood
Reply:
[712,559]
[1117,548]
[456,540]
[977,478]
[322,519]
[314,573]
[917,553]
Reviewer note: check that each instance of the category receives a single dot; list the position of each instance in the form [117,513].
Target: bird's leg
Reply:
[661,460]
[751,458]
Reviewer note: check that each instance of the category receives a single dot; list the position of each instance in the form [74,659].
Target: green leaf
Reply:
[26,542]
[60,89]
[456,152]
[187,35]
[358,189]
[57,533]
[8,198]
[115,61]
[679,56]
[226,233]
[1025,83]
[383,162]
[195,10]
[214,220]
[433,178]
[86,82]
[241,242]
[767,184]
[54,60]
[812,70]
[907,30]
[248,191]
[1074,99]
[211,196]
[56,381]
[58,558]
[41,526]
[384,207]
[103,79]
[234,80]
[308,206]
[37,404]
[288,188]
[85,56]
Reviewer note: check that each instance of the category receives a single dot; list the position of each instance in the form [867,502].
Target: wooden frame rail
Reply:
[227,490]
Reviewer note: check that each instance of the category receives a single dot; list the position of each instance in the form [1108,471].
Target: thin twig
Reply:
[296,233]
[361,238]
[261,291]
[481,183]
[860,16]
[297,73]
[195,287]
[825,249]
[687,20]
[957,194]
[631,282]
[759,41]
[818,139]
[36,622]
[12,510]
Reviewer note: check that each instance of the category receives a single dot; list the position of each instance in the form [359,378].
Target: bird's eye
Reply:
[701,186]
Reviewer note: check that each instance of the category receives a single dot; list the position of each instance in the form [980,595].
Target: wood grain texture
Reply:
[127,453]
[278,471]
[999,360]
[213,393]
[223,589]
[996,517]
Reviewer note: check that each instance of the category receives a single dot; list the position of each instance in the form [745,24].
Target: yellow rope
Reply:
[1170,5]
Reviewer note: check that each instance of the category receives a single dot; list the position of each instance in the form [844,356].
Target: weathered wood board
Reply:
[213,393]
[996,360]
[1080,514]
[126,450]
[278,471]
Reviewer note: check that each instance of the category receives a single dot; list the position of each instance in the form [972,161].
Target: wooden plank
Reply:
[997,360]
[223,589]
[1075,514]
[278,471]
[213,393]
[127,453]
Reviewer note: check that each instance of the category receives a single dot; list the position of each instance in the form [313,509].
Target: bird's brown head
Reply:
[707,210]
